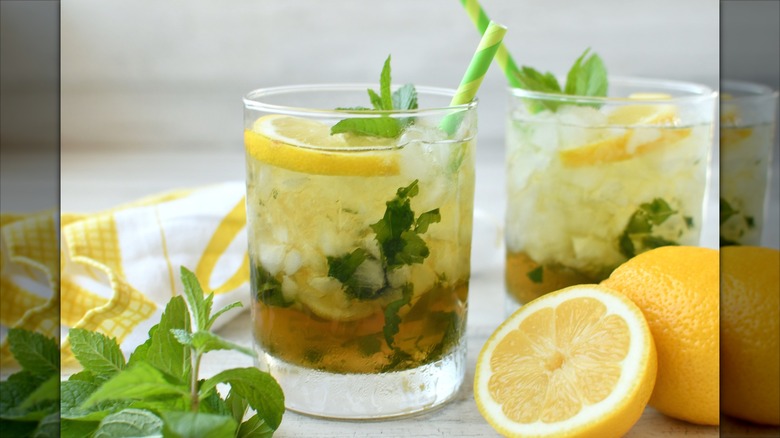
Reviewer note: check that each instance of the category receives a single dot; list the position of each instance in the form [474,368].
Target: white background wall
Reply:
[170,74]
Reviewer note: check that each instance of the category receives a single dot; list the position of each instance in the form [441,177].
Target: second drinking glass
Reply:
[594,181]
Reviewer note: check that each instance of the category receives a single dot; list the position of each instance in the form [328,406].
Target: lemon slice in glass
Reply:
[306,146]
[577,362]
[636,139]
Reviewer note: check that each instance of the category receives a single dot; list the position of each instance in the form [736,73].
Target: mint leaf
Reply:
[657,211]
[384,86]
[73,394]
[137,383]
[96,352]
[165,352]
[141,351]
[536,275]
[398,243]
[384,127]
[392,320]
[587,77]
[35,352]
[220,312]
[197,425]
[201,308]
[640,227]
[269,289]
[426,219]
[254,427]
[130,423]
[48,427]
[405,98]
[376,100]
[258,388]
[77,429]
[43,395]
[726,211]
[534,80]
[205,341]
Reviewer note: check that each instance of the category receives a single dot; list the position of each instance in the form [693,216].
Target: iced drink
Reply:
[359,250]
[593,182]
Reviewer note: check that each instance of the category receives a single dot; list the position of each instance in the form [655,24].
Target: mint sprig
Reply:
[158,392]
[587,77]
[404,98]
[640,227]
[30,398]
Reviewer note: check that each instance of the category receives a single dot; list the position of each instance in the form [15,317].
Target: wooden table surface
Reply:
[93,181]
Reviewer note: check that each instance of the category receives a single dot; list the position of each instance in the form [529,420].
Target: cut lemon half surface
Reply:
[648,128]
[576,362]
[307,146]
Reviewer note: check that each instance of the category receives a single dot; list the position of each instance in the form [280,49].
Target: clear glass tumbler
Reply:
[592,182]
[748,118]
[360,248]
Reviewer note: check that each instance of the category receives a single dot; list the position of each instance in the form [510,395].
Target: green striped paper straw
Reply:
[467,90]
[503,58]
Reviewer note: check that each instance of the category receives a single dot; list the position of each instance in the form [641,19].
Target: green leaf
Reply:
[17,429]
[426,219]
[142,351]
[392,320]
[626,245]
[74,393]
[651,242]
[405,98]
[237,406]
[384,86]
[200,307]
[35,352]
[726,211]
[657,211]
[197,425]
[47,391]
[344,268]
[536,275]
[534,80]
[269,289]
[130,423]
[376,100]
[587,77]
[254,427]
[398,244]
[220,312]
[15,390]
[259,389]
[48,427]
[140,382]
[165,352]
[205,341]
[384,127]
[96,352]
[77,429]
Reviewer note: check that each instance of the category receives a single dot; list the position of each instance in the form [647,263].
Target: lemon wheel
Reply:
[307,146]
[576,362]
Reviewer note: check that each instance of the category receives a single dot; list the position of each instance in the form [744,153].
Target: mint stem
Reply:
[194,398]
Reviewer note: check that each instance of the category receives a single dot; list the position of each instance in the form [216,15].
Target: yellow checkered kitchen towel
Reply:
[118,268]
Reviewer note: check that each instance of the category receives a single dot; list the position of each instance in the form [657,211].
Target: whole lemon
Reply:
[750,333]
[677,289]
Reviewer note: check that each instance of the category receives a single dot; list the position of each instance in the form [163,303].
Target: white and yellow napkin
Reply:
[120,267]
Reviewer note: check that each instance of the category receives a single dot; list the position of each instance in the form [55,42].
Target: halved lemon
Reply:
[577,362]
[635,141]
[307,146]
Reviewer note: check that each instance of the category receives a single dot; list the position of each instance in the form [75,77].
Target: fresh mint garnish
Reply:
[269,289]
[404,98]
[536,275]
[158,392]
[587,77]
[640,227]
[392,320]
[30,398]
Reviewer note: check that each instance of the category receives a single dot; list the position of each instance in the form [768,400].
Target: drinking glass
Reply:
[594,181]
[748,118]
[359,247]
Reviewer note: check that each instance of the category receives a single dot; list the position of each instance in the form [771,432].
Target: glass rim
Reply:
[251,101]
[696,93]
[753,91]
